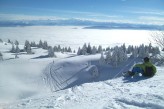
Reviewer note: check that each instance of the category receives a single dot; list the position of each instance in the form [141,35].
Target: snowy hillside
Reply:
[34,81]
[120,93]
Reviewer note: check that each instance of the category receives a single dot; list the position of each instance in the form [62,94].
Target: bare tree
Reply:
[158,38]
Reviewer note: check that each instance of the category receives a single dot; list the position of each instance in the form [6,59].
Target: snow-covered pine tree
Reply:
[40,44]
[45,45]
[135,52]
[28,49]
[123,47]
[69,49]
[143,51]
[102,59]
[107,49]
[65,49]
[147,54]
[118,56]
[79,51]
[1,40]
[50,52]
[16,42]
[1,57]
[89,49]
[33,44]
[84,50]
[27,44]
[129,49]
[17,50]
[156,51]
[9,41]
[59,48]
[114,60]
[108,57]
[13,49]
[94,50]
[55,49]
[99,49]
[150,48]
[122,56]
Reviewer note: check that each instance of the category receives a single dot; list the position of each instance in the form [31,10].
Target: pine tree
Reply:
[123,55]
[55,49]
[108,48]
[13,49]
[89,50]
[84,50]
[40,44]
[33,44]
[108,57]
[94,50]
[9,41]
[114,60]
[51,52]
[141,51]
[79,51]
[45,45]
[65,49]
[69,49]
[102,59]
[59,48]
[123,47]
[1,57]
[1,40]
[16,42]
[156,51]
[135,52]
[118,56]
[150,48]
[99,49]
[27,47]
[17,50]
[28,50]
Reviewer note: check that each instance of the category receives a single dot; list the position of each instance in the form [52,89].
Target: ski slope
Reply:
[66,82]
[119,93]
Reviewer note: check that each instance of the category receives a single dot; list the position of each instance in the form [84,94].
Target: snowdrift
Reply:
[69,72]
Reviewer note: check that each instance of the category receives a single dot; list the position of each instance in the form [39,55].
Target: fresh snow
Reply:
[119,93]
[67,81]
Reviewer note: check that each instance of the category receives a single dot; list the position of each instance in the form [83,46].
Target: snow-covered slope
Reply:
[119,93]
[25,83]
[20,77]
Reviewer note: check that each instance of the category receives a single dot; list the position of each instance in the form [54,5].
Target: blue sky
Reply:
[132,11]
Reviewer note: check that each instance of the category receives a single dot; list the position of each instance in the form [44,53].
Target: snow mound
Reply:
[76,70]
[69,72]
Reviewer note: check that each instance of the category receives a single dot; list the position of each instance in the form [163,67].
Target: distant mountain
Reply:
[78,22]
